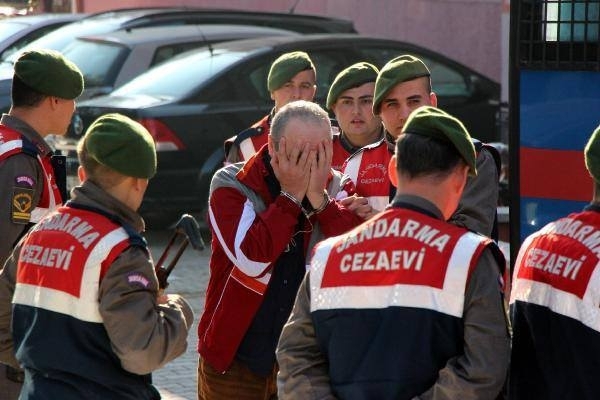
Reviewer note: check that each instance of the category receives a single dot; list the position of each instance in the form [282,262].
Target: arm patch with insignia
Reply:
[22,204]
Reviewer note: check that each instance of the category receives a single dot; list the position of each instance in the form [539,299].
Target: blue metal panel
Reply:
[559,109]
[535,213]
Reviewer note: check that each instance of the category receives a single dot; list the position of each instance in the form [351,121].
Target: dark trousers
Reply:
[237,383]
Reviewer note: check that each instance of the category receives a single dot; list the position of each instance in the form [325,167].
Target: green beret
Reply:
[48,72]
[592,155]
[400,69]
[353,76]
[122,144]
[435,123]
[286,67]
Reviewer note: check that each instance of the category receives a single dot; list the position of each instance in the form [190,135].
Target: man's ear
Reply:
[392,173]
[81,174]
[433,99]
[53,102]
[461,174]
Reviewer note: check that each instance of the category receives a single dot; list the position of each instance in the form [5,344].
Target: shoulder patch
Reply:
[24,180]
[22,205]
[137,279]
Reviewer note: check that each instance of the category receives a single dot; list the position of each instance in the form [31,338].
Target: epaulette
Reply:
[28,147]
[247,133]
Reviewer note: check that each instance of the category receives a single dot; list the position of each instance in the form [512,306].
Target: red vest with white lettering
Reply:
[62,256]
[12,142]
[62,261]
[368,169]
[555,303]
[390,293]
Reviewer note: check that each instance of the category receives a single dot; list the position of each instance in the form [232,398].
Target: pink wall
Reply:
[468,31]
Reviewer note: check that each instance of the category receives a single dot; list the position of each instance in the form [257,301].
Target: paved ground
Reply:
[177,380]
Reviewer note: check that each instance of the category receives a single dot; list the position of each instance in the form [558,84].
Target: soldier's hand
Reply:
[360,206]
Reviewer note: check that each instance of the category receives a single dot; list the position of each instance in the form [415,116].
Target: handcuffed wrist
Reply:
[292,198]
[323,205]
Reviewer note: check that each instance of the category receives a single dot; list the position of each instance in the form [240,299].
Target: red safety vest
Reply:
[368,169]
[64,258]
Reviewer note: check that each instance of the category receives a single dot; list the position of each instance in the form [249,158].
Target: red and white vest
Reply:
[12,142]
[368,169]
[558,267]
[254,138]
[63,260]
[397,248]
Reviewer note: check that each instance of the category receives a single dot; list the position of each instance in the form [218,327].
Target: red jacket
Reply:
[248,239]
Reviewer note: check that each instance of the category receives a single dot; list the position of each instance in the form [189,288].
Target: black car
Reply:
[196,100]
[122,19]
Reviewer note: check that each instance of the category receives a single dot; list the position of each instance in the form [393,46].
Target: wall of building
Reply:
[468,31]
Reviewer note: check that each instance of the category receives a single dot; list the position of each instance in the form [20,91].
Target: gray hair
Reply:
[309,112]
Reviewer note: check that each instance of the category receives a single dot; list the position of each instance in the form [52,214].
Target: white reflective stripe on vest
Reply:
[10,145]
[586,309]
[448,300]
[247,148]
[352,166]
[84,308]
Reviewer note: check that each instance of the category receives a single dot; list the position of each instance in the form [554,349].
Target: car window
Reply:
[445,80]
[328,64]
[167,52]
[258,81]
[235,85]
[99,62]
[248,82]
[60,38]
[178,76]
[24,41]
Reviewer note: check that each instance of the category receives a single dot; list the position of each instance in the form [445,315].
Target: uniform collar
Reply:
[26,130]
[593,207]
[418,204]
[349,147]
[90,194]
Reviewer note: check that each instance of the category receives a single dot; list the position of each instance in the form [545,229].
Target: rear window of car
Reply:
[177,77]
[99,62]
[60,38]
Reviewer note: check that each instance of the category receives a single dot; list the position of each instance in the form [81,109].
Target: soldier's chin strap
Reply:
[134,237]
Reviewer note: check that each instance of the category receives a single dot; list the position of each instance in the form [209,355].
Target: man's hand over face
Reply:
[292,167]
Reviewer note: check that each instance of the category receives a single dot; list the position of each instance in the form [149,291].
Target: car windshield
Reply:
[99,62]
[179,76]
[9,28]
[62,37]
